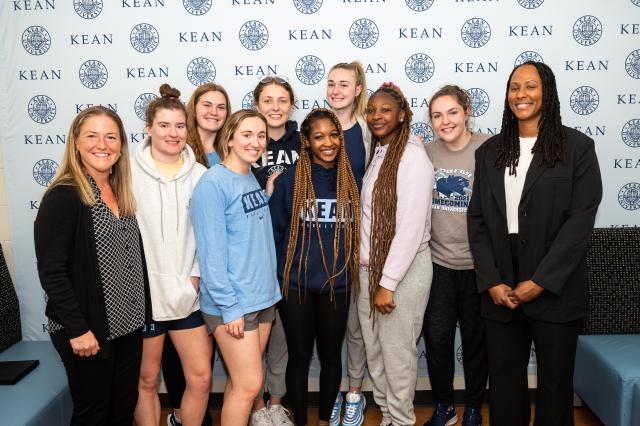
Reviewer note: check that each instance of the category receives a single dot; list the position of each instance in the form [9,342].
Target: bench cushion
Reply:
[42,397]
[606,375]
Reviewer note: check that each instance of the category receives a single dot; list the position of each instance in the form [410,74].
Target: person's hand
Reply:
[502,296]
[235,328]
[526,291]
[195,282]
[85,345]
[271,183]
[383,301]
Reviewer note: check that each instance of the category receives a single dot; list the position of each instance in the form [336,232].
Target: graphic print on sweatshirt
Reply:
[452,190]
[326,211]
[253,202]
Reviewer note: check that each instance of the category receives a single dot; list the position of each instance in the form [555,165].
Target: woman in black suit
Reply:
[535,197]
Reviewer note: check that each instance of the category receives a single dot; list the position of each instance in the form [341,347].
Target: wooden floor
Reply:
[583,417]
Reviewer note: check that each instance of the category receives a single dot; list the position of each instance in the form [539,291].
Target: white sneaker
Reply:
[279,415]
[172,420]
[260,418]
[386,421]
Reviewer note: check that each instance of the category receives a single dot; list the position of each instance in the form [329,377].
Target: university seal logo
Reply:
[307,6]
[459,357]
[363,33]
[631,133]
[632,63]
[584,100]
[309,69]
[419,5]
[629,196]
[530,4]
[87,9]
[479,101]
[44,171]
[423,130]
[419,67]
[476,32]
[41,109]
[247,101]
[253,35]
[587,30]
[144,38]
[197,7]
[93,74]
[200,71]
[36,40]
[141,103]
[528,55]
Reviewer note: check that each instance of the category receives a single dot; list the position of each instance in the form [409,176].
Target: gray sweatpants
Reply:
[356,355]
[391,340]
[276,357]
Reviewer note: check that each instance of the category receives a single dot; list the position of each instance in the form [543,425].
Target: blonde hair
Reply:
[230,127]
[360,104]
[193,136]
[72,171]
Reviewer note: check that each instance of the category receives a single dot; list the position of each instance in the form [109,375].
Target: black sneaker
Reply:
[443,415]
[471,417]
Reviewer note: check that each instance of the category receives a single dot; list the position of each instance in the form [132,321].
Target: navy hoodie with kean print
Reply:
[279,155]
[280,205]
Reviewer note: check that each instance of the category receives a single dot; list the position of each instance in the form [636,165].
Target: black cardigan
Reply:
[68,266]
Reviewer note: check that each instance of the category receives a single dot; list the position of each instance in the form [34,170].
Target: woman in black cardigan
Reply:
[536,193]
[91,266]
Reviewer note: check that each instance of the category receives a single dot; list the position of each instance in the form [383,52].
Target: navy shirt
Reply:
[355,151]
[280,204]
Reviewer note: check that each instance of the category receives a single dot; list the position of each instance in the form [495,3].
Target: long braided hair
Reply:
[304,206]
[385,197]
[551,136]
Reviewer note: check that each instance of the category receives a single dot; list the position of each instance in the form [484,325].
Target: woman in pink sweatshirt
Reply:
[395,260]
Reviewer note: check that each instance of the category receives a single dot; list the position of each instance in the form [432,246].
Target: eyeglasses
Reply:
[277,78]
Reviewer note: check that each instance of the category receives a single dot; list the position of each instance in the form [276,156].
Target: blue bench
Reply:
[607,370]
[608,377]
[42,397]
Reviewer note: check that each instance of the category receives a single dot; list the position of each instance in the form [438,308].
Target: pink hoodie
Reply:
[413,212]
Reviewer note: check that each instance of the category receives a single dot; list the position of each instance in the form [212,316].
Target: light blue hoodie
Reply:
[234,244]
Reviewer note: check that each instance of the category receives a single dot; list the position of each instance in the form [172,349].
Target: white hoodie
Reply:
[169,244]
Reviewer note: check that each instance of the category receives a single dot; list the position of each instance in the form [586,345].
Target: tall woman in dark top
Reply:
[535,196]
[91,266]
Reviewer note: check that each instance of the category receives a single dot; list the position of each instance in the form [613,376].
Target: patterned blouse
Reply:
[121,271]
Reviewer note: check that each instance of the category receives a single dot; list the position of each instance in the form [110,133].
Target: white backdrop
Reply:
[58,57]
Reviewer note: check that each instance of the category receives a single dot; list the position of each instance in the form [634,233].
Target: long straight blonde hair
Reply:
[72,170]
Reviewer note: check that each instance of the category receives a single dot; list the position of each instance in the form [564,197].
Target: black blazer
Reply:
[555,218]
[68,266]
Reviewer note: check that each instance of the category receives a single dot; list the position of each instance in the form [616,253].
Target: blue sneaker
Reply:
[354,409]
[471,417]
[336,411]
[443,415]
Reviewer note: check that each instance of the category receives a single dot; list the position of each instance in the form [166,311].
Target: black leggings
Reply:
[314,318]
[174,376]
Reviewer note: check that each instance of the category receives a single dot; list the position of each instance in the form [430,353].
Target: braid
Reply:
[304,206]
[551,136]
[385,197]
